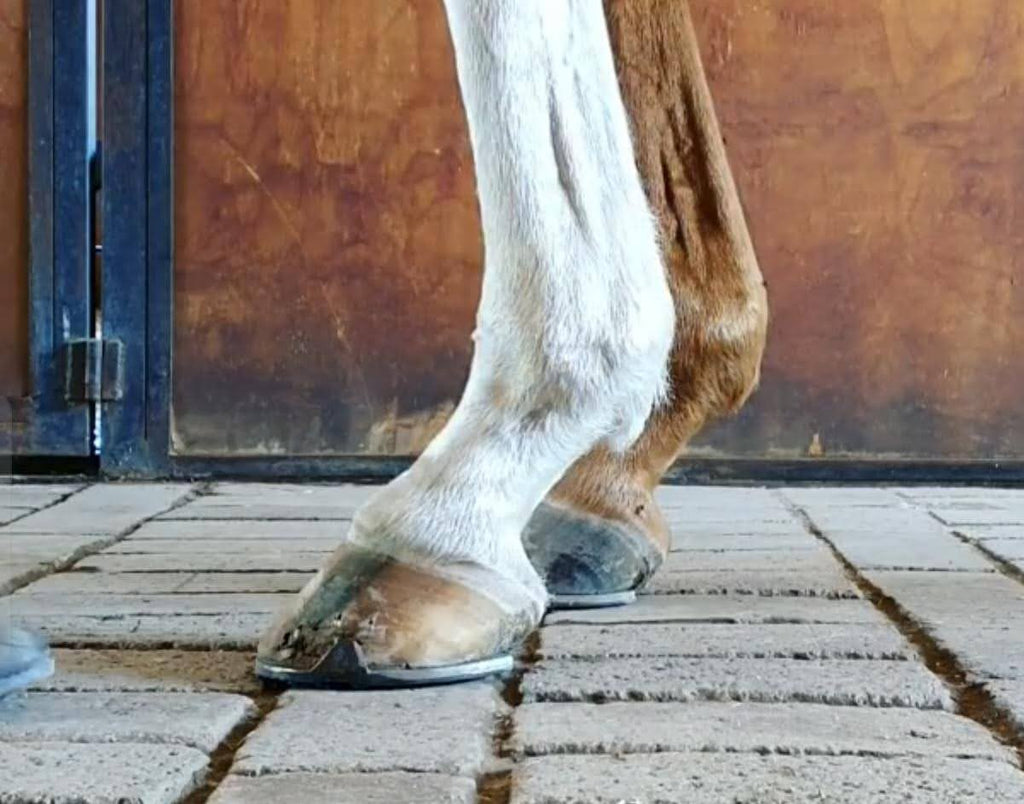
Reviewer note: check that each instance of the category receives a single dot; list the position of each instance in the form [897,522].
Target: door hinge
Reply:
[93,370]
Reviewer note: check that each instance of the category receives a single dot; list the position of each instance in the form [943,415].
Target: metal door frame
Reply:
[61,138]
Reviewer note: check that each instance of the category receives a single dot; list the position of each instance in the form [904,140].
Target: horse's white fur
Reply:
[575,319]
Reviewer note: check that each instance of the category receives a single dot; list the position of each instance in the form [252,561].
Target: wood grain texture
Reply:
[13,200]
[327,236]
[878,148]
[328,249]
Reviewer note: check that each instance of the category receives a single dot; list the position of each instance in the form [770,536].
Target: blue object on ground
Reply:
[24,658]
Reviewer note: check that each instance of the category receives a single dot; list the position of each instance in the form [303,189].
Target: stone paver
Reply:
[80,773]
[99,670]
[749,671]
[716,778]
[437,730]
[232,631]
[31,604]
[102,510]
[980,514]
[800,641]
[830,583]
[278,532]
[844,497]
[724,609]
[266,560]
[895,538]
[35,495]
[784,536]
[839,682]
[1010,696]
[812,572]
[8,513]
[198,720]
[347,788]
[982,533]
[240,501]
[1008,549]
[978,616]
[156,583]
[174,547]
[792,729]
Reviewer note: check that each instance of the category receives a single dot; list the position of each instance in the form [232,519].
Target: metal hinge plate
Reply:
[93,370]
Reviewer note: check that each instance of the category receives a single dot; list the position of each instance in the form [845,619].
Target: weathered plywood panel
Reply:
[328,250]
[13,201]
[327,236]
[878,146]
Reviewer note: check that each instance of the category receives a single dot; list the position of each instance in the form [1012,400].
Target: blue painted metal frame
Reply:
[137,301]
[60,293]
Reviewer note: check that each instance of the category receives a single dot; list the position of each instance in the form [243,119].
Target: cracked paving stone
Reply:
[724,609]
[839,682]
[433,730]
[746,779]
[200,720]
[799,641]
[100,670]
[92,773]
[791,729]
[346,788]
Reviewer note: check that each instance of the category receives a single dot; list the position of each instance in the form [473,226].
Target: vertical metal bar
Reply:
[137,219]
[160,266]
[59,272]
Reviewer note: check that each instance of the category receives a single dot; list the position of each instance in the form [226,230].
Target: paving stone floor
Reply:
[782,655]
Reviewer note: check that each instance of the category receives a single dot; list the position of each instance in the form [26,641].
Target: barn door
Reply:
[292,250]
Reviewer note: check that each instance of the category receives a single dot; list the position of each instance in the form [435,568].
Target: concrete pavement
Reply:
[804,644]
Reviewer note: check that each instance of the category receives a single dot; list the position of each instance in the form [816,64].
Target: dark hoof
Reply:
[582,556]
[370,620]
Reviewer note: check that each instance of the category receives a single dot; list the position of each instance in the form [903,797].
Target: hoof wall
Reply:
[587,561]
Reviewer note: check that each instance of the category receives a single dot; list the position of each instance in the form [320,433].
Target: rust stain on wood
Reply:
[13,199]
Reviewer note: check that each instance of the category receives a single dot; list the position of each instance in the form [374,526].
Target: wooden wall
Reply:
[13,200]
[327,235]
[328,249]
[878,147]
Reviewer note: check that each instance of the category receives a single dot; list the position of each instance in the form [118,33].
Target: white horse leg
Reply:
[573,332]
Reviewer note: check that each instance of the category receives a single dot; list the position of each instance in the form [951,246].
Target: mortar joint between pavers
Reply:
[973,701]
